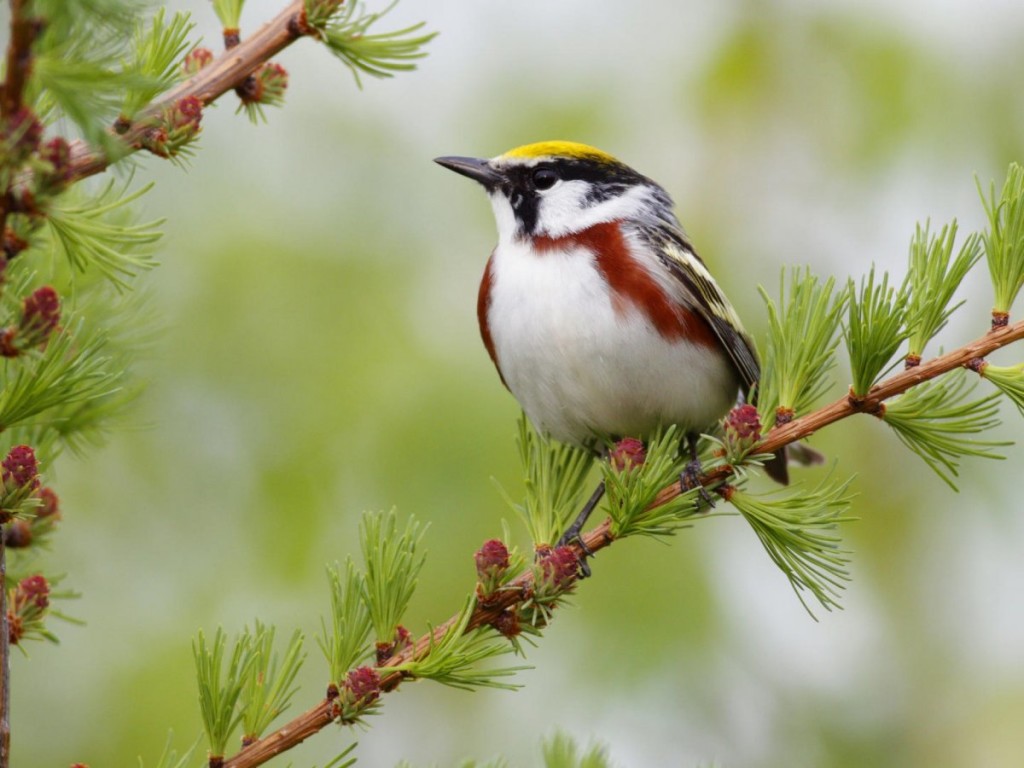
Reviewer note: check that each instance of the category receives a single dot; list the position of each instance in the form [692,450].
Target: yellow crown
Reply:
[571,149]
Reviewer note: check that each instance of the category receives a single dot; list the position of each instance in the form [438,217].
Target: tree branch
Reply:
[19,58]
[23,31]
[224,74]
[5,660]
[521,588]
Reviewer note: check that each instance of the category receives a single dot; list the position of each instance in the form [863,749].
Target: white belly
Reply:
[581,369]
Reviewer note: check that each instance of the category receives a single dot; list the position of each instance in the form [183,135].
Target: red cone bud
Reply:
[188,112]
[18,534]
[33,589]
[491,559]
[507,623]
[20,467]
[41,311]
[743,423]
[627,453]
[559,567]
[57,152]
[363,686]
[50,504]
[196,59]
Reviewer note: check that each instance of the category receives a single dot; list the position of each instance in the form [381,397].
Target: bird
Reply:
[595,308]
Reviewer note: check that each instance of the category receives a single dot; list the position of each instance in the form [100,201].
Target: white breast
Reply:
[581,369]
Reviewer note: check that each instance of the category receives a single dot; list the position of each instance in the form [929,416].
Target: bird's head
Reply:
[558,188]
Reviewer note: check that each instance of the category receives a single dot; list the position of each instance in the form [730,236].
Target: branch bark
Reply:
[5,660]
[23,31]
[223,74]
[520,589]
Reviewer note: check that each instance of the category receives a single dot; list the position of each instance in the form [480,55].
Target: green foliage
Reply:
[392,565]
[453,660]
[70,371]
[158,49]
[554,475]
[345,30]
[342,759]
[229,12]
[798,530]
[220,688]
[1010,381]
[102,232]
[802,337]
[269,685]
[170,758]
[346,644]
[77,71]
[560,751]
[934,418]
[874,328]
[933,279]
[629,492]
[1004,237]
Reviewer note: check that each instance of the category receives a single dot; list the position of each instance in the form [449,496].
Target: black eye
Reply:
[544,178]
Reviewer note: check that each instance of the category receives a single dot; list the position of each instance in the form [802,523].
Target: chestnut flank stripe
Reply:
[631,284]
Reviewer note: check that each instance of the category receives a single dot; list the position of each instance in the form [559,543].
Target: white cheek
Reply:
[563,209]
[560,208]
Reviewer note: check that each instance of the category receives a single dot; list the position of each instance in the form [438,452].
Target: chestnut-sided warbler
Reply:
[598,313]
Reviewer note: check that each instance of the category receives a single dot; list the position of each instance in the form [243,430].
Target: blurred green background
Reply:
[318,356]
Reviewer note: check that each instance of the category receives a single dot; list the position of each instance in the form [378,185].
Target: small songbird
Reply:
[598,313]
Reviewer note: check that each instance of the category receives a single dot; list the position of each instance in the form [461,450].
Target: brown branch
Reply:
[521,588]
[223,74]
[19,58]
[5,661]
[23,31]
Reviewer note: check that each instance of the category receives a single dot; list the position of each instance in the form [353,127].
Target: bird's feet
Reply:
[690,478]
[572,533]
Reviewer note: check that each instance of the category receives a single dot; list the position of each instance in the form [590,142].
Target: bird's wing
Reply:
[700,292]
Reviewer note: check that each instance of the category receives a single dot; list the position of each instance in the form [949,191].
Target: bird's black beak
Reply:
[474,168]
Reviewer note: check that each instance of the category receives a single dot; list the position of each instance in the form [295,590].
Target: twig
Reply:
[19,58]
[19,61]
[520,589]
[5,661]
[23,31]
[223,74]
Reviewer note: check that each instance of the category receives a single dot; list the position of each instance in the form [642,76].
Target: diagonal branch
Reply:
[521,588]
[225,73]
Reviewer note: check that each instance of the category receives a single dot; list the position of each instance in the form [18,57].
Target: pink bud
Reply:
[491,560]
[627,453]
[560,567]
[50,504]
[507,623]
[188,112]
[743,423]
[35,589]
[20,467]
[41,311]
[196,59]
[57,152]
[363,684]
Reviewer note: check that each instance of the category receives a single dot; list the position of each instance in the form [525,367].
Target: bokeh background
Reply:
[318,356]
